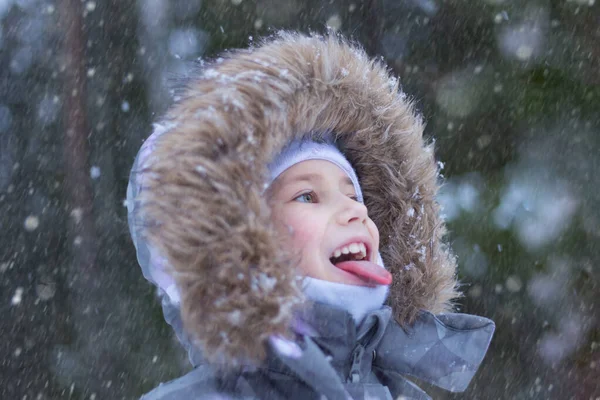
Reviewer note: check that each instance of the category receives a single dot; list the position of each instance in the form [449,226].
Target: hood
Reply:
[197,213]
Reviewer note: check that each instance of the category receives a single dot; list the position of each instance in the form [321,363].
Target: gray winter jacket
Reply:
[204,237]
[333,358]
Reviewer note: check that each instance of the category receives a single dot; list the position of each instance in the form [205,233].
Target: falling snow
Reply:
[17,297]
[95,172]
[334,22]
[508,96]
[31,223]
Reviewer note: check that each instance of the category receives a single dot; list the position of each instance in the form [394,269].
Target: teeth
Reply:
[363,250]
[358,249]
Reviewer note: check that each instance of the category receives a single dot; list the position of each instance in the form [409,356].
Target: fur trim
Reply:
[208,171]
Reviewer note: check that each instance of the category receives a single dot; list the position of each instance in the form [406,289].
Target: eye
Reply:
[354,197]
[309,197]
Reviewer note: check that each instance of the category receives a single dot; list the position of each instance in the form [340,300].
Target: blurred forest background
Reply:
[510,90]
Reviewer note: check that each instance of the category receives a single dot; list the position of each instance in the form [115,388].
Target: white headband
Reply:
[304,150]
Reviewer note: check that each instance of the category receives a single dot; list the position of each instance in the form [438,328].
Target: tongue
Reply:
[367,270]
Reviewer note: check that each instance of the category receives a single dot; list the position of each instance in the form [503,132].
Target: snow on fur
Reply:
[207,175]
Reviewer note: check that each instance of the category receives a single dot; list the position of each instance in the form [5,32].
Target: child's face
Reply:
[315,201]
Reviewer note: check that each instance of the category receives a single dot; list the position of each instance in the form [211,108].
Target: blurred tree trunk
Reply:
[83,278]
[78,190]
[103,281]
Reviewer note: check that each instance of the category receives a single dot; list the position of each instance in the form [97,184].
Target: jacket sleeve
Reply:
[199,383]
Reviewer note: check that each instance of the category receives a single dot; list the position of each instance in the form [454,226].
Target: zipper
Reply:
[357,356]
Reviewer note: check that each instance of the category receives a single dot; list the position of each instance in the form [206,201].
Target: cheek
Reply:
[299,228]
[302,231]
[302,240]
[374,232]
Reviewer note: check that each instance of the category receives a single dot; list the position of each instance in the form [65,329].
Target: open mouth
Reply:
[355,251]
[354,258]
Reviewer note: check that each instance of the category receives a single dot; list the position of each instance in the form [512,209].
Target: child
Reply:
[282,200]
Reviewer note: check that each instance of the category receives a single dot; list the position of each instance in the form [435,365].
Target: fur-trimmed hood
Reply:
[196,197]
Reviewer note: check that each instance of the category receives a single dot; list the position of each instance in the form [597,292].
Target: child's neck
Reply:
[357,300]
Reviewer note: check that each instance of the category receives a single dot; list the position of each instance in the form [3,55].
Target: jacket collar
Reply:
[335,331]
[444,350]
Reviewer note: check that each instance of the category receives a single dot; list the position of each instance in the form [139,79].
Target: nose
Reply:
[351,211]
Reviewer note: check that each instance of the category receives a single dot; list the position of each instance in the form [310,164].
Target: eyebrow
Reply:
[317,177]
